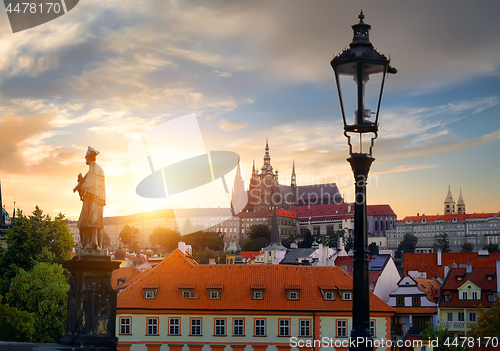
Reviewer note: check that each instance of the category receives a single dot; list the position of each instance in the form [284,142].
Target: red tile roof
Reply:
[449,217]
[269,213]
[478,277]
[237,281]
[427,262]
[430,287]
[339,211]
[126,274]
[379,210]
[249,254]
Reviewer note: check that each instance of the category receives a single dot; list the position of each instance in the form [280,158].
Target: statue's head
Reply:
[91,155]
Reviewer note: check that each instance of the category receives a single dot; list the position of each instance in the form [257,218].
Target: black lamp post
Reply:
[368,69]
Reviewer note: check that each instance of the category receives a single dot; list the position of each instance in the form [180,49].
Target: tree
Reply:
[308,240]
[259,231]
[204,256]
[349,244]
[164,238]
[408,244]
[488,323]
[37,238]
[491,247]
[287,242]
[16,325]
[43,292]
[200,240]
[222,258]
[442,243]
[467,247]
[128,235]
[250,244]
[444,341]
[333,239]
[373,249]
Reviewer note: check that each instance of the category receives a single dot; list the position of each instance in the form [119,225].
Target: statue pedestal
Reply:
[91,318]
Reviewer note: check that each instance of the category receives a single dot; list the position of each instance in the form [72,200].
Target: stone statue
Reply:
[93,194]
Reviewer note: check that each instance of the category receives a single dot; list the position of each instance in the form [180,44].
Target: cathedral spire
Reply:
[449,203]
[266,167]
[294,179]
[460,203]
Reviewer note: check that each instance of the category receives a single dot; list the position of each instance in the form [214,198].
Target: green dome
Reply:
[232,249]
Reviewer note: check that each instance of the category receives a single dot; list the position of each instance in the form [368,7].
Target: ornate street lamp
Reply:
[367,68]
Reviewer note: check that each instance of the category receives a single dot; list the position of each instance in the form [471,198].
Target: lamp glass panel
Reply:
[372,81]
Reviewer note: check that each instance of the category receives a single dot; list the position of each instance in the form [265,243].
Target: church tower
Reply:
[449,203]
[460,204]
[239,196]
[263,185]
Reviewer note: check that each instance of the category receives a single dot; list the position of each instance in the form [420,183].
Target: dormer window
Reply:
[293,295]
[258,292]
[447,297]
[346,296]
[293,292]
[186,291]
[459,277]
[150,293]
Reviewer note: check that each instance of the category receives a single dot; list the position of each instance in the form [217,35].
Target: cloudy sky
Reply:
[110,70]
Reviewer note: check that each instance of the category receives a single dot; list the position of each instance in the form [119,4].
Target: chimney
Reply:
[498,278]
[349,208]
[439,261]
[468,268]
[446,270]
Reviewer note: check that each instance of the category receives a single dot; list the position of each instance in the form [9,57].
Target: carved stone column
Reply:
[91,318]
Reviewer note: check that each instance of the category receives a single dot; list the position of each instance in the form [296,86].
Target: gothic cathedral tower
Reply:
[449,203]
[460,204]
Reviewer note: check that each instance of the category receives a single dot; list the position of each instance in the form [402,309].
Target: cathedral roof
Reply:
[460,198]
[449,197]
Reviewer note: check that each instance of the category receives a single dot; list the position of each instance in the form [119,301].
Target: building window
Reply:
[258,295]
[284,327]
[125,325]
[238,327]
[260,327]
[329,295]
[472,316]
[447,297]
[474,295]
[347,296]
[490,298]
[450,316]
[152,326]
[464,295]
[293,295]
[423,348]
[372,328]
[400,301]
[195,326]
[150,293]
[187,293]
[174,326]
[415,301]
[305,327]
[341,328]
[214,294]
[461,316]
[220,327]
